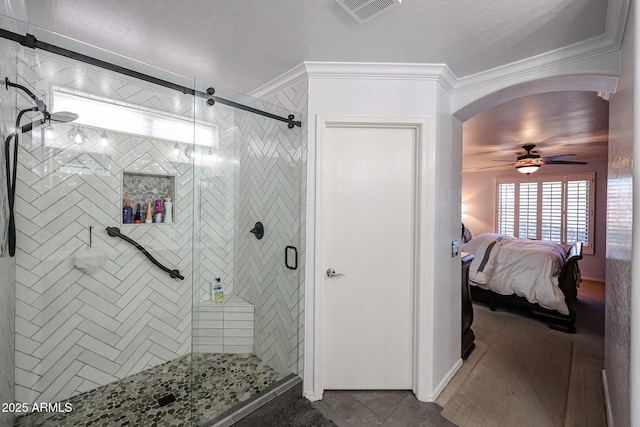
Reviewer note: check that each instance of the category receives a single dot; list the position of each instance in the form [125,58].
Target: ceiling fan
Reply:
[531,161]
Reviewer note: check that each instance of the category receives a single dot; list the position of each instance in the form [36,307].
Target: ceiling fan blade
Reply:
[559,156]
[496,166]
[564,162]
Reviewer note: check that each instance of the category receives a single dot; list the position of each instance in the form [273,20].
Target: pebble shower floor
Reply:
[223,381]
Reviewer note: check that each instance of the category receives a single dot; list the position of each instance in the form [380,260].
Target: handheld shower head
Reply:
[11,169]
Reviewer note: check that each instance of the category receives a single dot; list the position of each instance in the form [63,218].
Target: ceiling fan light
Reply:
[528,169]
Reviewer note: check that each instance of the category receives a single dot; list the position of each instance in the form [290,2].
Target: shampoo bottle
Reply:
[127,212]
[138,218]
[217,292]
[147,219]
[158,215]
[167,210]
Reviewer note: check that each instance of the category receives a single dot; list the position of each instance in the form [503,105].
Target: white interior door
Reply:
[367,232]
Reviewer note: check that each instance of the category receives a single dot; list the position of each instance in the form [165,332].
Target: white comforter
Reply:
[509,265]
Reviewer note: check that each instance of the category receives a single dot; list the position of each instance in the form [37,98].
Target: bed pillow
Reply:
[484,248]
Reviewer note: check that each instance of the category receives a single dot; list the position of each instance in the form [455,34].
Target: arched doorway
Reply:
[510,100]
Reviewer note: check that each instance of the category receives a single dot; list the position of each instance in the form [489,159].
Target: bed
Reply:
[537,276]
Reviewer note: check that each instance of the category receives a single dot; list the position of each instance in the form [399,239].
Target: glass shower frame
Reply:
[258,162]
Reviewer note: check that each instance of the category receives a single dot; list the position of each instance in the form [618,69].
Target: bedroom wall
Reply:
[621,298]
[478,198]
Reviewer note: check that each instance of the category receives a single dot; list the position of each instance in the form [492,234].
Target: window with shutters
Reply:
[528,210]
[506,208]
[556,208]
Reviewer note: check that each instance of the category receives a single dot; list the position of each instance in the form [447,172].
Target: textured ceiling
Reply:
[556,122]
[242,44]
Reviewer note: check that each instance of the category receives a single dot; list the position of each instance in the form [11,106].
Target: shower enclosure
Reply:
[102,333]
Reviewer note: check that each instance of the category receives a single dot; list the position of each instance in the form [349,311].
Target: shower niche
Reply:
[144,189]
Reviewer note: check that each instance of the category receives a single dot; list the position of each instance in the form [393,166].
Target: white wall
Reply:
[337,89]
[622,304]
[447,185]
[479,198]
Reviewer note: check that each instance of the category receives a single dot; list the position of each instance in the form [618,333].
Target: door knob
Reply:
[332,273]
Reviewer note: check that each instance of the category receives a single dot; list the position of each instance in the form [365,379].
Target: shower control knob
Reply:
[210,102]
[211,91]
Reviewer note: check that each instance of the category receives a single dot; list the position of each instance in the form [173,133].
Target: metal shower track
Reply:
[30,41]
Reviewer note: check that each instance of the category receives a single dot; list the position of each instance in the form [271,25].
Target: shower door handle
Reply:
[291,250]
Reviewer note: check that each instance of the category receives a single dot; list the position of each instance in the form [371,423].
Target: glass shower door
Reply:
[98,326]
[247,191]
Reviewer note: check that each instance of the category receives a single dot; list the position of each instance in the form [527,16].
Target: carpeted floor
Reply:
[523,373]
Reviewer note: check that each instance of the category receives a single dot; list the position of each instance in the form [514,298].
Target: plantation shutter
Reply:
[528,210]
[556,208]
[506,209]
[551,211]
[578,210]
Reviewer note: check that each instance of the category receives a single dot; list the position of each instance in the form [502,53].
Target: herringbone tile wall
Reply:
[76,331]
[269,190]
[7,265]
[295,98]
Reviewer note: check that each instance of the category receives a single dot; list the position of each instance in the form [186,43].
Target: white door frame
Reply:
[422,358]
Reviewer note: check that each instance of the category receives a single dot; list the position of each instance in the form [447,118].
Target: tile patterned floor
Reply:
[390,408]
[223,381]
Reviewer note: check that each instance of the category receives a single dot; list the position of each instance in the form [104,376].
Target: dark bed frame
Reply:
[568,282]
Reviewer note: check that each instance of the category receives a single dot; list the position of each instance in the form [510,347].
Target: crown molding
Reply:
[284,80]
[546,64]
[383,71]
[359,70]
[609,42]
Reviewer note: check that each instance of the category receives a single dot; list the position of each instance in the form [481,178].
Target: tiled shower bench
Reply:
[224,328]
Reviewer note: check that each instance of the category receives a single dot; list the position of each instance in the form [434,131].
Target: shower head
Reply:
[63,116]
[58,117]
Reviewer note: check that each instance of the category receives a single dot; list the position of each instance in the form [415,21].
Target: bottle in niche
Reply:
[217,293]
[138,218]
[149,218]
[127,212]
[158,215]
[168,217]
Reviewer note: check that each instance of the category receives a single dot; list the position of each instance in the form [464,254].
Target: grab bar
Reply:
[115,232]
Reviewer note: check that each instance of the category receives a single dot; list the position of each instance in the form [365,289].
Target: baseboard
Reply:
[607,400]
[445,381]
[430,398]
[314,397]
